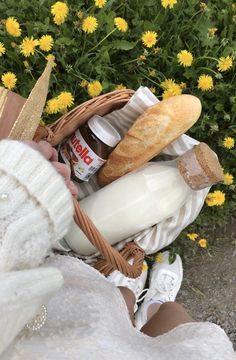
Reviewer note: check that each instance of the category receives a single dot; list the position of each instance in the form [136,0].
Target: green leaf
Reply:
[123,45]
[149,26]
[219,107]
[64,41]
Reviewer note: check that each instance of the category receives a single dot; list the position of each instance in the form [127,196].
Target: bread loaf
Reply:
[157,127]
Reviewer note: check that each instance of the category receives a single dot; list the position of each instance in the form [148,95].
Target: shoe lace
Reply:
[166,285]
[140,296]
[143,293]
[139,292]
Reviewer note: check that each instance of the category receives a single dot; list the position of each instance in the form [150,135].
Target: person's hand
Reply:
[51,154]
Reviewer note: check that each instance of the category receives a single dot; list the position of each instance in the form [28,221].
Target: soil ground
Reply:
[209,287]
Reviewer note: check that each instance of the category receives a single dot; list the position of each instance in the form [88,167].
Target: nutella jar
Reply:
[88,148]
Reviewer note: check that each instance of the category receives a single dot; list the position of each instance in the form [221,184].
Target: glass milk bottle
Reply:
[145,197]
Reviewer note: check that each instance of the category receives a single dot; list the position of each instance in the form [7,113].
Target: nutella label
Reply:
[78,154]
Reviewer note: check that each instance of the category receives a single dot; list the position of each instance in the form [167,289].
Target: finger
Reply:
[32,144]
[43,147]
[47,150]
[54,155]
[62,169]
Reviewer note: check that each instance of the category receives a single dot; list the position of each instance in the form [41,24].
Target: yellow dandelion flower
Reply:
[89,24]
[121,87]
[51,57]
[145,267]
[80,14]
[142,58]
[100,3]
[205,82]
[121,24]
[183,85]
[46,42]
[153,90]
[28,46]
[159,258]
[228,142]
[9,80]
[13,27]
[83,83]
[211,32]
[65,99]
[202,243]
[2,49]
[58,20]
[192,236]
[172,90]
[217,198]
[228,179]
[94,88]
[225,63]
[156,50]
[185,58]
[52,106]
[60,10]
[203,7]
[149,38]
[167,83]
[210,200]
[26,64]
[152,72]
[168,3]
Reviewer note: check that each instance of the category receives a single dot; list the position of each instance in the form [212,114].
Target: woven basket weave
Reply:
[59,131]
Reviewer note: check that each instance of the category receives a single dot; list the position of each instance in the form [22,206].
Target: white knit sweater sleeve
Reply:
[36,207]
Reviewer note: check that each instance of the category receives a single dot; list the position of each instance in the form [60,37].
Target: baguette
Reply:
[153,130]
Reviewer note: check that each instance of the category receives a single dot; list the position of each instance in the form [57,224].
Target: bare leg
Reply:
[167,317]
[129,297]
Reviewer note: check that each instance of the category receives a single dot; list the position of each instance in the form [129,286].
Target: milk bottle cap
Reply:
[200,167]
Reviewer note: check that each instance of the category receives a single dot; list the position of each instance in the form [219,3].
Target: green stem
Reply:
[84,45]
[151,80]
[206,57]
[78,76]
[205,68]
[40,52]
[100,42]
[129,62]
[198,12]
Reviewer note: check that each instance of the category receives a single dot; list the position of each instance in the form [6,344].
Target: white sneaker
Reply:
[164,283]
[135,285]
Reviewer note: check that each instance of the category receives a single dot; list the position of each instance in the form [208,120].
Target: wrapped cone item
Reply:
[28,119]
[157,127]
[10,107]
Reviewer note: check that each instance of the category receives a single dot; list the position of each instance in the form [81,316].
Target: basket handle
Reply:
[114,259]
[64,127]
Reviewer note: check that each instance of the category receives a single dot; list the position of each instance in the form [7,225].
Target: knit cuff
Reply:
[41,181]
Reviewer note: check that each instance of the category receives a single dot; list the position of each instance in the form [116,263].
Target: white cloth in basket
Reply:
[164,233]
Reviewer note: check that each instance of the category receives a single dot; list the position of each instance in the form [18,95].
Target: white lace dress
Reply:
[88,320]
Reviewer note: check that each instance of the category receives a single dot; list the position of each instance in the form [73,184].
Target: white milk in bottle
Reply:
[145,197]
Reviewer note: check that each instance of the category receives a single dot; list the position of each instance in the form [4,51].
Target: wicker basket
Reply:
[60,130]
